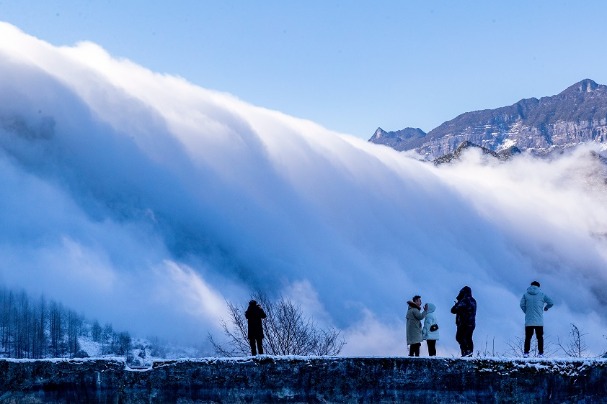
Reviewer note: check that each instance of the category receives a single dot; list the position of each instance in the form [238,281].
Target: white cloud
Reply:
[145,200]
[372,337]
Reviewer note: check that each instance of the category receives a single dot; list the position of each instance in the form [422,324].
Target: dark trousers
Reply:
[253,342]
[539,333]
[464,338]
[414,349]
[431,347]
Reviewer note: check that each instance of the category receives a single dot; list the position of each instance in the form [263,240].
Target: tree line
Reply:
[38,328]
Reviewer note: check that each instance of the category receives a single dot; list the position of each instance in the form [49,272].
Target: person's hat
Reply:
[535,283]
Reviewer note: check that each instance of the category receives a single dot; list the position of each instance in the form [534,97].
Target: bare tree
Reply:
[40,340]
[516,347]
[74,325]
[23,320]
[56,330]
[6,322]
[287,331]
[107,337]
[122,343]
[96,331]
[235,332]
[486,351]
[576,346]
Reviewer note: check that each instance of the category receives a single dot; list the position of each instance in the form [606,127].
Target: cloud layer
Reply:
[146,201]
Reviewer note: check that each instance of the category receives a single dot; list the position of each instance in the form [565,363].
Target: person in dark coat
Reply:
[465,320]
[254,315]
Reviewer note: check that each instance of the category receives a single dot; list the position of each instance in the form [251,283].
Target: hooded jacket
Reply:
[533,304]
[465,308]
[414,324]
[254,315]
[428,322]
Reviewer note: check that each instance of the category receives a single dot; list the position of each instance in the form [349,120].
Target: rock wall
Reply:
[271,379]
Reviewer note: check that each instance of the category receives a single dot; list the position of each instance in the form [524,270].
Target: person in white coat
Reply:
[430,331]
[534,303]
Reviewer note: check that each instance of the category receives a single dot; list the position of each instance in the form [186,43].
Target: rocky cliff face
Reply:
[268,379]
[577,115]
[503,154]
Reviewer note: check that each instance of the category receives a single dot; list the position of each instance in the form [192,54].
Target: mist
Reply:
[146,201]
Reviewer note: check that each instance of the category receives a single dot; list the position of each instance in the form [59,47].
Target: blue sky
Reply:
[349,65]
[146,202]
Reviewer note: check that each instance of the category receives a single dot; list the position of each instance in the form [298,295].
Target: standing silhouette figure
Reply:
[254,315]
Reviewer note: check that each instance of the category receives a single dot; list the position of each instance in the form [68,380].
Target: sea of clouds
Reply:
[143,200]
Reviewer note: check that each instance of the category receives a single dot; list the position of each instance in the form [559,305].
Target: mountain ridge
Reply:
[576,115]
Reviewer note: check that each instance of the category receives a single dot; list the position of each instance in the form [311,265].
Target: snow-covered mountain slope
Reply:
[145,200]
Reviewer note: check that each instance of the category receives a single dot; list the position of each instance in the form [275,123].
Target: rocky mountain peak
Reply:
[588,85]
[379,133]
[403,133]
[576,115]
[403,139]
[584,89]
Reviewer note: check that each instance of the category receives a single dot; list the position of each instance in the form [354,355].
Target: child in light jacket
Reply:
[430,331]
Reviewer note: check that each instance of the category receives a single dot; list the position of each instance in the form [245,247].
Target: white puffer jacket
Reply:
[428,322]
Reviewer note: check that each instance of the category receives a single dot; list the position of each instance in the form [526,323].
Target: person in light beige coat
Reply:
[414,325]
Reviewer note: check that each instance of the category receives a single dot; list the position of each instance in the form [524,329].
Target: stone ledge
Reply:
[305,379]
